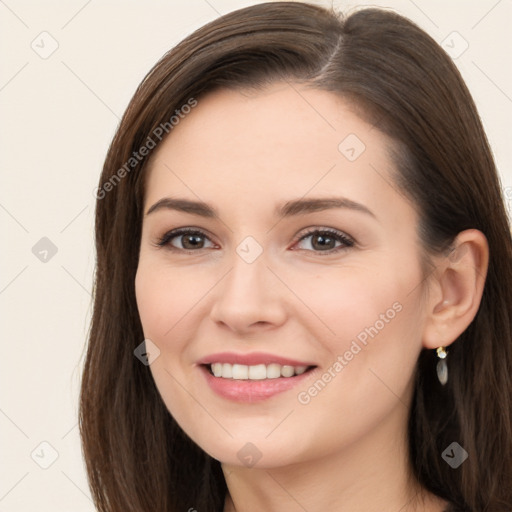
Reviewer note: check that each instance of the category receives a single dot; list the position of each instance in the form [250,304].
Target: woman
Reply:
[303,278]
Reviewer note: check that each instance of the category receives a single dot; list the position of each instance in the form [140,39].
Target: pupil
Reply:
[192,242]
[323,242]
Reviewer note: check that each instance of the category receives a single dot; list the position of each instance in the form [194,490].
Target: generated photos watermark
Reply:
[151,142]
[356,346]
[147,352]
[454,455]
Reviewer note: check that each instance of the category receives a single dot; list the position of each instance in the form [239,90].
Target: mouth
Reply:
[248,378]
[243,387]
[255,372]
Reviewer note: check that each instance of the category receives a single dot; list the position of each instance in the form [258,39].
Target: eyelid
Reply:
[164,241]
[346,240]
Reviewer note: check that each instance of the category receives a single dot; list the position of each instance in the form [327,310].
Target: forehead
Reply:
[286,140]
[267,123]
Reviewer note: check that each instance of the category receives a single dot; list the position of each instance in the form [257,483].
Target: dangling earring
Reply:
[442,367]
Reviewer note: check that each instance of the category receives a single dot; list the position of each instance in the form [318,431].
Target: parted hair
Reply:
[137,458]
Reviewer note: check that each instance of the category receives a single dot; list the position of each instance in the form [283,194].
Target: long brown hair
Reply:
[137,457]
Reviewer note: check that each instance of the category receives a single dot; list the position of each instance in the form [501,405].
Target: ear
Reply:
[455,289]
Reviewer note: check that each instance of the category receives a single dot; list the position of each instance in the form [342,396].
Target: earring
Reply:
[442,367]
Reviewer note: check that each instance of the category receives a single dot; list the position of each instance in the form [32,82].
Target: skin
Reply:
[245,153]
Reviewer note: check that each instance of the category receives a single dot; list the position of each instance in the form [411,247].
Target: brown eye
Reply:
[185,239]
[324,241]
[192,241]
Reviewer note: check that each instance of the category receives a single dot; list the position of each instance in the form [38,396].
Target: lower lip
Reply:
[251,390]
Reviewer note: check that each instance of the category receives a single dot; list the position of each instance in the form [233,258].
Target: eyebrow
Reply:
[288,209]
[301,206]
[184,205]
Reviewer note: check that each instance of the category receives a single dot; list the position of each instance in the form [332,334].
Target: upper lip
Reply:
[251,359]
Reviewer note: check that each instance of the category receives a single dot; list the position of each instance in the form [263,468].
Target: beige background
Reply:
[58,114]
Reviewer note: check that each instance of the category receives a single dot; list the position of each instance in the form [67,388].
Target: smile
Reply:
[255,372]
[252,377]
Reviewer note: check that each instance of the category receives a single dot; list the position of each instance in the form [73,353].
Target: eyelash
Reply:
[337,235]
[166,239]
[333,233]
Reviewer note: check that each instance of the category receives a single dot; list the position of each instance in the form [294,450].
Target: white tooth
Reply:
[287,371]
[217,369]
[299,370]
[227,371]
[273,371]
[255,372]
[258,372]
[240,371]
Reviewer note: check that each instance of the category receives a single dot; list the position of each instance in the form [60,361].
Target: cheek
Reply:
[353,301]
[364,387]
[165,296]
[369,320]
[166,300]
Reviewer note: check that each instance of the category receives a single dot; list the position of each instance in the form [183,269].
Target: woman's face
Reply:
[297,280]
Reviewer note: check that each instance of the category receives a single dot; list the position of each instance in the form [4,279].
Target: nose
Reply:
[249,299]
